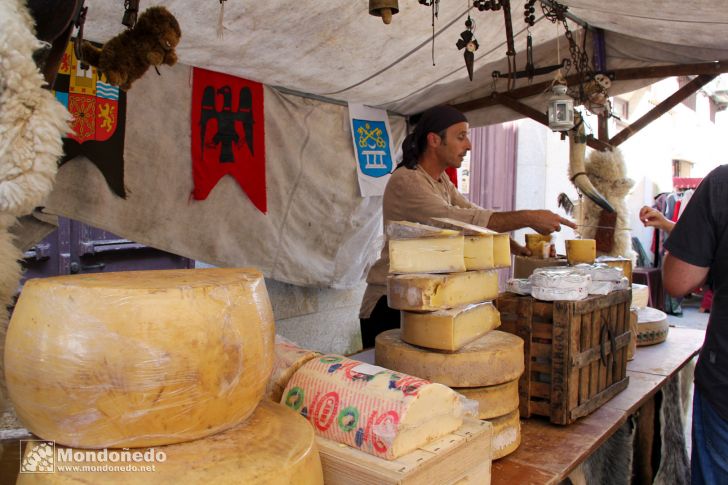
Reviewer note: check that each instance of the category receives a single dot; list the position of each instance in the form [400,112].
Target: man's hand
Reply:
[546,222]
[519,250]
[653,218]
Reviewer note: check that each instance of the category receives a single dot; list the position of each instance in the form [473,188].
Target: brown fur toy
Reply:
[126,57]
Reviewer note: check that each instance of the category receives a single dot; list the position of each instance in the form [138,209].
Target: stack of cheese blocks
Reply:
[443,281]
[174,360]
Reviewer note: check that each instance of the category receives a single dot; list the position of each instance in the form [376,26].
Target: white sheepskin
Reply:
[32,121]
[608,173]
[32,124]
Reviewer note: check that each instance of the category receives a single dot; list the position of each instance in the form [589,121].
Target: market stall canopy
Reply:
[335,49]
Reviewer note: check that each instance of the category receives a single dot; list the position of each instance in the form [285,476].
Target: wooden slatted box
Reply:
[570,366]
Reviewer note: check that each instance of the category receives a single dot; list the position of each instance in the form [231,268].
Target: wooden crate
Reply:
[571,367]
[463,456]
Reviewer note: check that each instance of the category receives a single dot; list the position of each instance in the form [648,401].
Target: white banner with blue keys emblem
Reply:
[373,148]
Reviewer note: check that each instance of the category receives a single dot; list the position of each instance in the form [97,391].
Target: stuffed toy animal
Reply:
[126,57]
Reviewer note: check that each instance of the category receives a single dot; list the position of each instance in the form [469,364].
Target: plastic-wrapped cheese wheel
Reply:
[275,446]
[139,358]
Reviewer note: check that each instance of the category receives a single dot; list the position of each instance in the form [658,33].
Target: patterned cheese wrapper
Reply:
[289,357]
[354,403]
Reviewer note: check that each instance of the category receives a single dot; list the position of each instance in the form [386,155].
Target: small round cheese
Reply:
[506,434]
[493,401]
[139,358]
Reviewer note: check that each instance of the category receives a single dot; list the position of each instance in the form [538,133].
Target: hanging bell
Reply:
[384,9]
[561,109]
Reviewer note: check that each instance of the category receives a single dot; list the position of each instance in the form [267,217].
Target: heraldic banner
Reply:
[99,118]
[372,147]
[228,134]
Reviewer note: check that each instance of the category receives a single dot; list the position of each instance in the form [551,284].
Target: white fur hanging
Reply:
[220,26]
[32,121]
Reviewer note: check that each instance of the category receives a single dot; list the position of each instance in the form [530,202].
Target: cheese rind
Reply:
[427,255]
[449,329]
[375,410]
[494,401]
[139,358]
[288,359]
[581,251]
[275,446]
[506,434]
[427,292]
[494,358]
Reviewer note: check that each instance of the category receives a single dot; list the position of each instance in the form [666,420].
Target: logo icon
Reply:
[39,456]
[372,147]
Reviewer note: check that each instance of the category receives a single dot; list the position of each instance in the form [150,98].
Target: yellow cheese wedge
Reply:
[288,359]
[449,329]
[538,244]
[502,251]
[426,292]
[410,230]
[139,358]
[581,251]
[275,446]
[378,411]
[506,434]
[427,255]
[494,358]
[493,401]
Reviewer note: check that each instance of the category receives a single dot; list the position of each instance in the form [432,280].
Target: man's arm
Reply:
[542,221]
[679,277]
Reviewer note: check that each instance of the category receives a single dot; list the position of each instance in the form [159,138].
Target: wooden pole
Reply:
[662,108]
[603,127]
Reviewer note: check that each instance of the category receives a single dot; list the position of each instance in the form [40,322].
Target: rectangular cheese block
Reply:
[449,330]
[502,251]
[427,255]
[376,410]
[581,251]
[427,292]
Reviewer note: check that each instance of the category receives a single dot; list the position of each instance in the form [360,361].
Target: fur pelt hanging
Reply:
[674,461]
[32,121]
[607,172]
[32,124]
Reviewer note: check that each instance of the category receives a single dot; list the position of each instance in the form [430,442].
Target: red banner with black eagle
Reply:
[228,135]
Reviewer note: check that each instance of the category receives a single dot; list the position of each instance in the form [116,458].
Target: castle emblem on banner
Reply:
[372,146]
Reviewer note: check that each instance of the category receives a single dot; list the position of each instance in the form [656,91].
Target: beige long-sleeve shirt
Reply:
[413,195]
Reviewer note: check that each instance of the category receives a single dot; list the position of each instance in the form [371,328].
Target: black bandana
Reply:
[434,120]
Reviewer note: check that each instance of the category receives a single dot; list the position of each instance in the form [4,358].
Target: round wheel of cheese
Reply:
[275,446]
[506,434]
[493,401]
[652,326]
[139,358]
[494,358]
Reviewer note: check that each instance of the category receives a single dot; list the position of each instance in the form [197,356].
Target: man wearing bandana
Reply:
[419,189]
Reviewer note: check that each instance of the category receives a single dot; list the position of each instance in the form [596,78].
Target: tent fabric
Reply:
[318,230]
[336,49]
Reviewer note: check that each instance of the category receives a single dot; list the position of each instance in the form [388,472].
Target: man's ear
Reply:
[433,139]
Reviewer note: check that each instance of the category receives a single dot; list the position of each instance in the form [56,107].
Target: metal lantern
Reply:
[384,9]
[561,109]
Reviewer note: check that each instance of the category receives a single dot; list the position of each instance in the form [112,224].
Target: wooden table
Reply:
[549,452]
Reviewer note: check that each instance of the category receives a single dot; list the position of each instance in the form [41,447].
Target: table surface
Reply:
[549,452]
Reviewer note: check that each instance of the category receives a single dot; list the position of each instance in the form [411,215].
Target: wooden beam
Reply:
[657,72]
[603,127]
[662,108]
[540,117]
